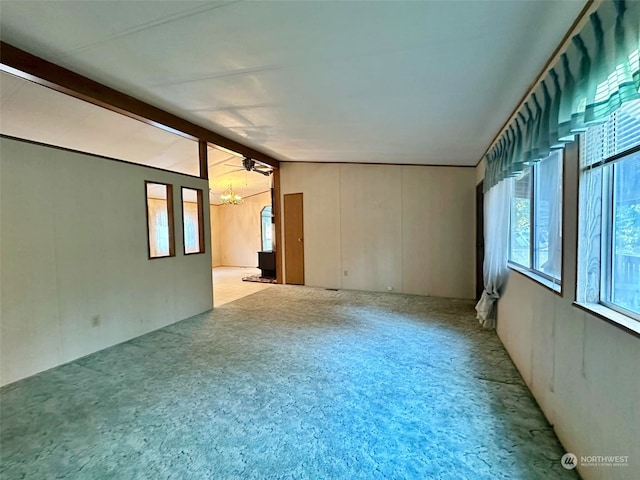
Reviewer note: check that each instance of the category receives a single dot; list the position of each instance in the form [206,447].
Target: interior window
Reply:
[192,220]
[160,219]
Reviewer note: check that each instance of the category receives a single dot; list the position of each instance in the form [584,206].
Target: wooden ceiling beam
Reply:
[35,69]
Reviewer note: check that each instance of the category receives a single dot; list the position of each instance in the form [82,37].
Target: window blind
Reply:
[619,134]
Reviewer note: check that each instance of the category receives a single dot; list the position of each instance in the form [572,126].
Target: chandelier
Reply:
[229,198]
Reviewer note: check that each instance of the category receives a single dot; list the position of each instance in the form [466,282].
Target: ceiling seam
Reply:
[148,26]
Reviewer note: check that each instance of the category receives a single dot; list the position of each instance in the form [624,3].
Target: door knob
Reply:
[299,239]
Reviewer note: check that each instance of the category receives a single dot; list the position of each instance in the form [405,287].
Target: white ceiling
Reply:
[425,82]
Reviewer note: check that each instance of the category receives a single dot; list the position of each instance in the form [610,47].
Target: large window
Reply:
[160,219]
[535,241]
[609,253]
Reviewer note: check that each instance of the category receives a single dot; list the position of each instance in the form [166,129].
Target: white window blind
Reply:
[620,133]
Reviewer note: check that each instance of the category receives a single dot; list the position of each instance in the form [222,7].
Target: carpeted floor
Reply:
[323,384]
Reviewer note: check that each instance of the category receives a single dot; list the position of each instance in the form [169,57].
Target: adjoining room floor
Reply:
[290,382]
[228,285]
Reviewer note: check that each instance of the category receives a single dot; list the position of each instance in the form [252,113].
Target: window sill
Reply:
[545,282]
[611,316]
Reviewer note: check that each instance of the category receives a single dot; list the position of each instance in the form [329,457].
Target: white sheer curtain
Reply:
[552,179]
[497,205]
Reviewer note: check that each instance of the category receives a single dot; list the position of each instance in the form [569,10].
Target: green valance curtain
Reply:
[598,72]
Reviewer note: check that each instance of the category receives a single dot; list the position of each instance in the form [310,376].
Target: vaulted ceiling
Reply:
[421,82]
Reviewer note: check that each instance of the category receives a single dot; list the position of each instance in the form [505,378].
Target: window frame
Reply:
[556,285]
[170,219]
[200,207]
[600,157]
[531,220]
[607,231]
[262,233]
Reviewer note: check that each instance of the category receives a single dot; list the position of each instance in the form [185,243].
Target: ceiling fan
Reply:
[251,165]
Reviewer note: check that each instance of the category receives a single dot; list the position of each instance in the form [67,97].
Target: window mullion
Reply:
[606,235]
[532,216]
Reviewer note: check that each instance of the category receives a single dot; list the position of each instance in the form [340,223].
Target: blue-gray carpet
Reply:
[322,384]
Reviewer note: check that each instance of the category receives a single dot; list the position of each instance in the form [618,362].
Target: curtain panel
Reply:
[596,74]
[497,206]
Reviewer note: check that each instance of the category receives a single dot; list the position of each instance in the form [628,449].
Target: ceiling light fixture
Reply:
[229,198]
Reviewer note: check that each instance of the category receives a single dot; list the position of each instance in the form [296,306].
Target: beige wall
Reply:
[375,227]
[582,370]
[75,275]
[216,243]
[237,231]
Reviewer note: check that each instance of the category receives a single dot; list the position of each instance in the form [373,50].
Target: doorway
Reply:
[241,209]
[293,239]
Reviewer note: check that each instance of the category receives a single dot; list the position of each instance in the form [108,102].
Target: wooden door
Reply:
[479,240]
[293,239]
